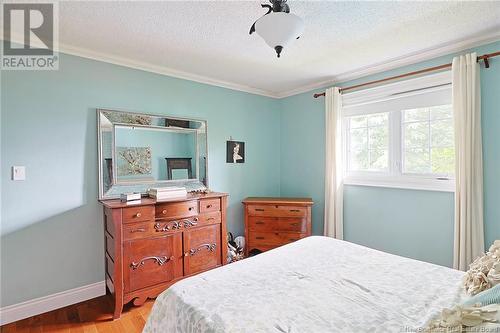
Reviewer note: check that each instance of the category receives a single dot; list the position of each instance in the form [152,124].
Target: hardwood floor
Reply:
[93,316]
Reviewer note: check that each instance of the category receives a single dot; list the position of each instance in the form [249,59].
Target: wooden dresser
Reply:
[272,222]
[151,245]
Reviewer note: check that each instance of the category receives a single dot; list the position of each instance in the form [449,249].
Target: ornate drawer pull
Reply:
[159,260]
[164,211]
[174,225]
[295,210]
[190,208]
[294,224]
[138,230]
[209,206]
[138,215]
[259,222]
[259,209]
[209,247]
[189,223]
[259,237]
[211,218]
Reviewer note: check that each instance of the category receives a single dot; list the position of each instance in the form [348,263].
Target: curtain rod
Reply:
[484,57]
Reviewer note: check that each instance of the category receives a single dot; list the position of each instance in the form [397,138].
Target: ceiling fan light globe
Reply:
[279,29]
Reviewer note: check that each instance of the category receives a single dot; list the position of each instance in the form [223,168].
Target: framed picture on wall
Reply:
[235,152]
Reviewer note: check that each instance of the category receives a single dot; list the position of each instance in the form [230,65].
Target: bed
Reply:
[317,284]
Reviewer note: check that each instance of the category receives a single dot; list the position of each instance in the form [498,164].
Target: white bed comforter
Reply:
[317,284]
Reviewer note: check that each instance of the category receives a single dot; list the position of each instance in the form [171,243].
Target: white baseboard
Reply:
[15,312]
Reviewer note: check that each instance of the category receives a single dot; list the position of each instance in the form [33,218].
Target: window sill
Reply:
[409,183]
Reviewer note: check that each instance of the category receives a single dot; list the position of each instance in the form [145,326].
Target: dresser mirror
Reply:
[139,151]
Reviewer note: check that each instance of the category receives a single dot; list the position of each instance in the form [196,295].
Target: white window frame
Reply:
[394,177]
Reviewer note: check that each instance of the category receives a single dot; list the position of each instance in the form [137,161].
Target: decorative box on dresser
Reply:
[151,245]
[272,222]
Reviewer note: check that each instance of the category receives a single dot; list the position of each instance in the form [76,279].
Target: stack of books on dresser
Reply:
[164,193]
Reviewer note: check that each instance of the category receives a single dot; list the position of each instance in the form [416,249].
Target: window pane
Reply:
[378,119]
[417,160]
[441,112]
[379,159]
[358,121]
[378,137]
[359,160]
[416,114]
[359,139]
[442,133]
[368,142]
[429,140]
[443,160]
[416,135]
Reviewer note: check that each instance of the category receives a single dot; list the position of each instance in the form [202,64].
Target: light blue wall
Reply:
[162,143]
[52,237]
[416,224]
[303,152]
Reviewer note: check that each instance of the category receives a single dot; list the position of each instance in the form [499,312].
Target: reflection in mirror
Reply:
[180,174]
[139,151]
[179,167]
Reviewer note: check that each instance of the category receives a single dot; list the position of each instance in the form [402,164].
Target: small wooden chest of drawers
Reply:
[272,222]
[152,245]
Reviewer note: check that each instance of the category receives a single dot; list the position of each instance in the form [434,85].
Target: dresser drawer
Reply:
[262,248]
[209,218]
[202,249]
[149,229]
[277,210]
[177,209]
[273,238]
[177,224]
[138,214]
[152,261]
[138,230]
[263,224]
[209,205]
[269,224]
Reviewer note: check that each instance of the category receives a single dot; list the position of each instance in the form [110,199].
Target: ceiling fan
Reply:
[278,27]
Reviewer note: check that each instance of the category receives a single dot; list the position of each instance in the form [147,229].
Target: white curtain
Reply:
[333,167]
[469,234]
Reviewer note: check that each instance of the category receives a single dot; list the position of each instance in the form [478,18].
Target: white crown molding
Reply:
[144,66]
[15,312]
[410,59]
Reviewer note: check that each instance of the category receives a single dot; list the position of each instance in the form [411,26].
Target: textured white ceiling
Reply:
[210,38]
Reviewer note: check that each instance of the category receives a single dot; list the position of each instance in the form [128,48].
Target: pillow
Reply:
[484,272]
[487,297]
[466,319]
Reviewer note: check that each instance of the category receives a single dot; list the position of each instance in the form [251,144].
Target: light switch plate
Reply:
[18,173]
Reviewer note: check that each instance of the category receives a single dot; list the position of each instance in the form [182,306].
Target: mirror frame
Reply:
[194,184]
